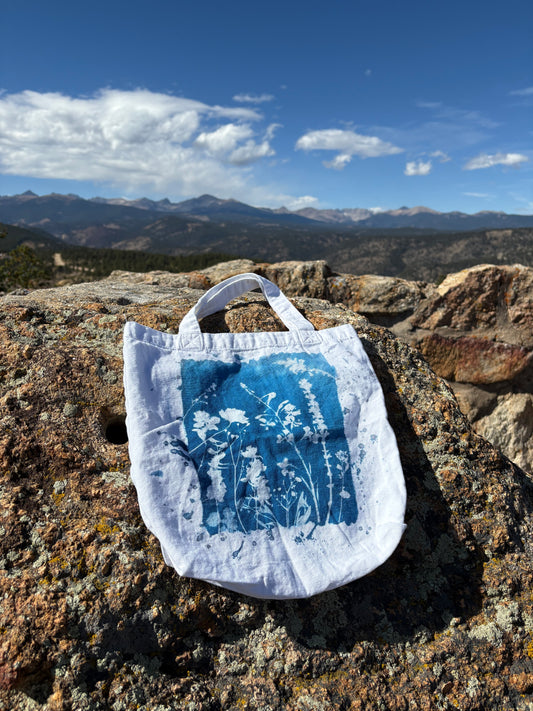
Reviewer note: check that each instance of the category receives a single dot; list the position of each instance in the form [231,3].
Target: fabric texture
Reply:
[263,462]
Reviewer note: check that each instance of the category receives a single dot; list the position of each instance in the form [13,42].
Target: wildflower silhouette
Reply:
[278,459]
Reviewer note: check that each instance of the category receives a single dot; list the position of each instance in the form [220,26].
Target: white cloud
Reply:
[478,195]
[223,139]
[271,130]
[253,98]
[522,92]
[301,202]
[443,157]
[417,168]
[250,152]
[487,161]
[339,162]
[223,143]
[347,143]
[134,141]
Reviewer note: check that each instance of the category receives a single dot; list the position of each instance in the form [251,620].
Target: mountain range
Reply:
[47,210]
[415,243]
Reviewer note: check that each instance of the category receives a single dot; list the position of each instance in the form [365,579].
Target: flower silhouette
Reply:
[277,460]
[234,415]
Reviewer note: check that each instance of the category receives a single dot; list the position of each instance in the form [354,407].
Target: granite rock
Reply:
[493,302]
[91,618]
[478,361]
[509,426]
[476,330]
[201,279]
[384,300]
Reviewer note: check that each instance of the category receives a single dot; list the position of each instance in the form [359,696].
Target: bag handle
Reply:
[218,296]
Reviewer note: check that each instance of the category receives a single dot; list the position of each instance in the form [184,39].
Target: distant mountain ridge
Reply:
[39,211]
[211,208]
[420,217]
[56,223]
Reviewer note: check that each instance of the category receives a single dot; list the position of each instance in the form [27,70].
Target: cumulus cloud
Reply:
[417,168]
[347,143]
[250,152]
[223,139]
[487,161]
[253,98]
[223,143]
[132,140]
[339,162]
[301,202]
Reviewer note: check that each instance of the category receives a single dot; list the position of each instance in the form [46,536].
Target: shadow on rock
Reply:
[432,579]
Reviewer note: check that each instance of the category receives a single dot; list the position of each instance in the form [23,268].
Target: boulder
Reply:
[493,302]
[91,618]
[300,278]
[201,279]
[509,426]
[478,361]
[384,300]
[476,330]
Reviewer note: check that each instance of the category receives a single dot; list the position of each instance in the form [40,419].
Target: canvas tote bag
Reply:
[263,462]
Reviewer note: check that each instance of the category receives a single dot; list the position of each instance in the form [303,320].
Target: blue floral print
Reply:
[267,439]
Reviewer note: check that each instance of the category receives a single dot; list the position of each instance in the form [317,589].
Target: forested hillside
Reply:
[31,259]
[409,253]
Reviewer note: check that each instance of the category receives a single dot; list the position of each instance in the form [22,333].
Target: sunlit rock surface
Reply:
[476,330]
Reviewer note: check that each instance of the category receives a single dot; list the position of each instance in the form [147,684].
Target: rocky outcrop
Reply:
[476,330]
[383,299]
[494,302]
[470,359]
[509,426]
[91,618]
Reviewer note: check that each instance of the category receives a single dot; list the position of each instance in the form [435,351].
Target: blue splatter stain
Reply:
[158,472]
[235,554]
[179,447]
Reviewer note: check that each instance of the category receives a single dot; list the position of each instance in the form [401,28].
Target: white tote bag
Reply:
[263,462]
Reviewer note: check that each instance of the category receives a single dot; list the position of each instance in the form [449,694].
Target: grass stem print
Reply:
[267,439]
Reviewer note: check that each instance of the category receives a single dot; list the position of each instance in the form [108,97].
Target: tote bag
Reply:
[263,462]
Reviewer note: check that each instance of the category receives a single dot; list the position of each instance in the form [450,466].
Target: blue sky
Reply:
[323,104]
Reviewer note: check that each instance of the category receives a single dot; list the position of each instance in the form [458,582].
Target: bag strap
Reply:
[218,296]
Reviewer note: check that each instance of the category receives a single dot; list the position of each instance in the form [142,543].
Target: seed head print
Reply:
[267,439]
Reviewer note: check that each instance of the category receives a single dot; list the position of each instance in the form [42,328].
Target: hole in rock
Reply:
[115,430]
